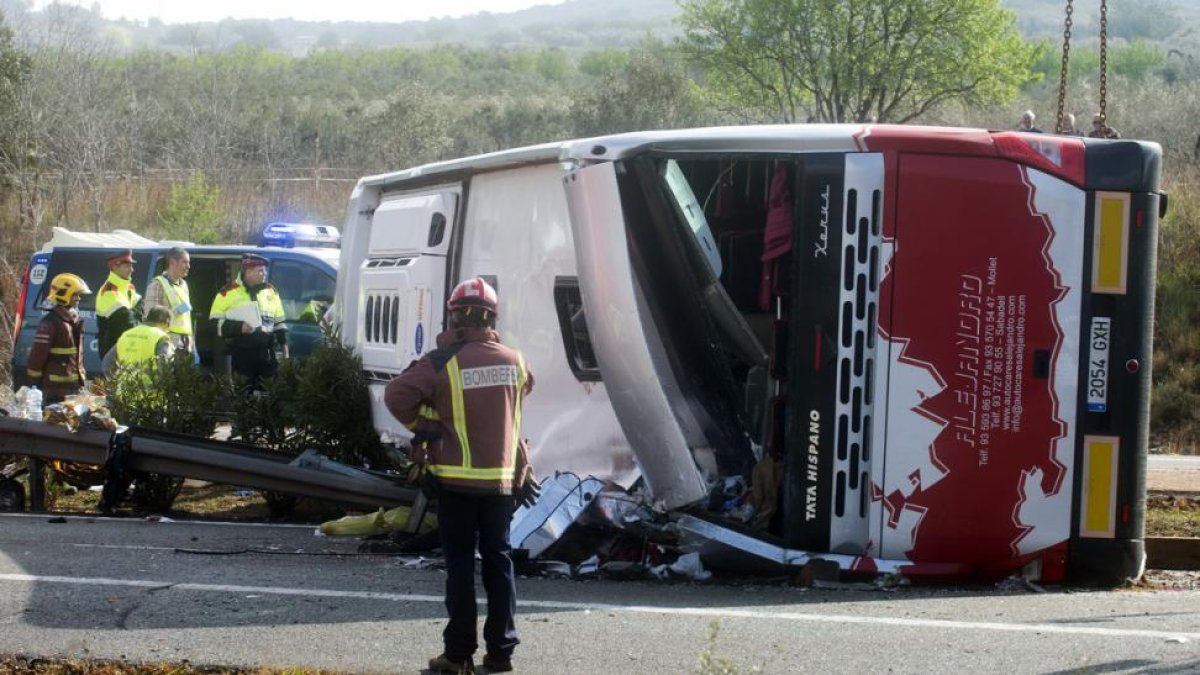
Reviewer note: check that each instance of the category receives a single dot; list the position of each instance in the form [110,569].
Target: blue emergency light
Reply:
[291,235]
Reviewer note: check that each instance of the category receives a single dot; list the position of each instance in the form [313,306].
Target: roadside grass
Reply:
[1175,406]
[24,665]
[1172,516]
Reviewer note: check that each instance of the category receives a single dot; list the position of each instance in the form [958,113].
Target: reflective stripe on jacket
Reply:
[176,295]
[236,304]
[477,397]
[114,310]
[55,361]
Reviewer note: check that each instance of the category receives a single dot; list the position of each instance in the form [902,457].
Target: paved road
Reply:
[1180,473]
[112,588]
[1176,462]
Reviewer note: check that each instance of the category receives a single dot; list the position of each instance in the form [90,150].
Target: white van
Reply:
[920,323]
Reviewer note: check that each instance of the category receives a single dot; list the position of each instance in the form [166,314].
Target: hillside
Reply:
[573,24]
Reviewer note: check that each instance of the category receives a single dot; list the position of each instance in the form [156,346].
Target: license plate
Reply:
[1097,374]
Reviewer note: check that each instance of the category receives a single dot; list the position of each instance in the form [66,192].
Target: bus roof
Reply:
[750,138]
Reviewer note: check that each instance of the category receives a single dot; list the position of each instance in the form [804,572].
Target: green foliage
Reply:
[332,406]
[172,396]
[1144,19]
[15,68]
[1137,60]
[1175,406]
[1134,60]
[320,403]
[648,89]
[710,663]
[850,60]
[192,212]
[175,396]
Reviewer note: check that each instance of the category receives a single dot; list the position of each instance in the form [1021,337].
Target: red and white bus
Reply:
[943,336]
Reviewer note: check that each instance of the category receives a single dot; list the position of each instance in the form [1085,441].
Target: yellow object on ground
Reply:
[380,522]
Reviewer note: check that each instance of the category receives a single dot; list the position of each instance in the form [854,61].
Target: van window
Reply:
[92,266]
[306,291]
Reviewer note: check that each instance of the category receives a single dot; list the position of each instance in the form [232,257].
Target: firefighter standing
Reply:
[466,395]
[249,315]
[56,359]
[170,290]
[115,305]
[142,343]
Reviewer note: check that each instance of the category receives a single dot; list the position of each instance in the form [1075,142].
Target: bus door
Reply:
[403,277]
[980,310]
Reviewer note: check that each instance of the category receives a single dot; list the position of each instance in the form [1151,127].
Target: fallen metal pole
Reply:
[200,459]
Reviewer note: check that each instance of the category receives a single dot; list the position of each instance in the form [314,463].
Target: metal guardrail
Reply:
[200,459]
[1173,553]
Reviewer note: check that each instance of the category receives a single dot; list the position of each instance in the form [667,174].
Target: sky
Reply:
[184,11]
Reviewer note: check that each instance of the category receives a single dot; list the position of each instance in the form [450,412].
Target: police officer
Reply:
[56,359]
[118,297]
[170,290]
[249,315]
[466,395]
[142,343]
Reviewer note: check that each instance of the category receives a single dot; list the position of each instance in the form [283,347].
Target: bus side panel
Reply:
[981,305]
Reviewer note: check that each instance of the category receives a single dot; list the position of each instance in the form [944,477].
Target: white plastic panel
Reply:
[622,345]
[518,231]
[401,225]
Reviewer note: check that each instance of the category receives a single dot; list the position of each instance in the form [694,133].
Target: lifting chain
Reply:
[1066,60]
[1104,62]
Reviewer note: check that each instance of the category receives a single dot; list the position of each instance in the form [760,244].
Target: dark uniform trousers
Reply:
[464,518]
[254,363]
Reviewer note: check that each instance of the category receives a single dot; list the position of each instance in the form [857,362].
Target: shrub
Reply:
[1175,405]
[175,397]
[191,212]
[320,403]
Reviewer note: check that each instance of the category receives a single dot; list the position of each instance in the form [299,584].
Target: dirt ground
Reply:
[1173,481]
[198,499]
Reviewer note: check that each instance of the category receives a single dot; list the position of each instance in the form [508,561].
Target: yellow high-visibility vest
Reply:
[181,322]
[121,294]
[139,344]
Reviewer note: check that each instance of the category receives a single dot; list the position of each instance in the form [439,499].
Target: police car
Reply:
[303,268]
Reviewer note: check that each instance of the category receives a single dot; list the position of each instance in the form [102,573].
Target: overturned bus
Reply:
[941,337]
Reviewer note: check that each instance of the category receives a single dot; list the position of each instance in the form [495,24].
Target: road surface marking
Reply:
[1053,629]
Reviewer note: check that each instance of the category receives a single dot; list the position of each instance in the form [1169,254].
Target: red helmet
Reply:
[473,293]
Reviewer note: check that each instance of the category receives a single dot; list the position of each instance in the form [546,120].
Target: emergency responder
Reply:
[1027,123]
[56,359]
[142,343]
[249,315]
[1100,128]
[115,306]
[170,290]
[465,398]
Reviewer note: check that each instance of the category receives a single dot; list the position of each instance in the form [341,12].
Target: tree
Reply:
[851,60]
[14,73]
[191,212]
[647,89]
